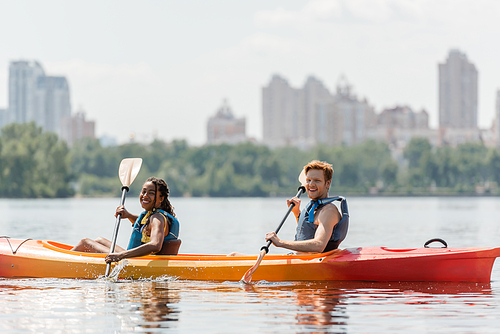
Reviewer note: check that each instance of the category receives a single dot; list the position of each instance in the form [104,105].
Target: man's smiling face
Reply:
[316,185]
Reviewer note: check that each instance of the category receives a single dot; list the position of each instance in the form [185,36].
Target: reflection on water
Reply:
[154,301]
[70,306]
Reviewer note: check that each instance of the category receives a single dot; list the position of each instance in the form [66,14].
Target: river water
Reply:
[220,226]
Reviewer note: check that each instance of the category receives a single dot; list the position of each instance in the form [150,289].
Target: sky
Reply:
[162,68]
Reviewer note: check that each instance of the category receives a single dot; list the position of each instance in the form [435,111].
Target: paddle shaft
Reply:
[115,232]
[269,242]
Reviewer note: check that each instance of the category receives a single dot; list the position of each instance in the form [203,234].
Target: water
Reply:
[220,226]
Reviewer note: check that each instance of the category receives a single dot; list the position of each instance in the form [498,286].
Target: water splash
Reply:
[113,276]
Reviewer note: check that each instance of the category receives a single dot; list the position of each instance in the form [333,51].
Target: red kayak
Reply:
[35,258]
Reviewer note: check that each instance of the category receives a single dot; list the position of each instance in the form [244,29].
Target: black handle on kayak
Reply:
[426,245]
[300,192]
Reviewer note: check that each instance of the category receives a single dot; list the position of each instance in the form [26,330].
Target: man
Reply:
[320,226]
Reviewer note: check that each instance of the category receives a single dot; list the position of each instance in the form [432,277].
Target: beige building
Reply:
[304,117]
[77,127]
[398,125]
[279,113]
[457,92]
[225,128]
[343,119]
[290,114]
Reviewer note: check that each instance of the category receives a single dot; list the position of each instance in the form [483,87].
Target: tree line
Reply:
[38,164]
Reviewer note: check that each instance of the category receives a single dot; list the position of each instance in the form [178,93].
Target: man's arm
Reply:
[327,219]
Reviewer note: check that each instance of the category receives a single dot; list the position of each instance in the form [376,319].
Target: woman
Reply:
[153,228]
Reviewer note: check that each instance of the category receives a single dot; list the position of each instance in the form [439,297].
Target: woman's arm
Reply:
[153,246]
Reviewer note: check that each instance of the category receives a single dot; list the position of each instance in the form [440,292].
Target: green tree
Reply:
[414,151]
[33,164]
[389,172]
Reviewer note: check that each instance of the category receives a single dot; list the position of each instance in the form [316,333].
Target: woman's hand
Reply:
[122,211]
[113,257]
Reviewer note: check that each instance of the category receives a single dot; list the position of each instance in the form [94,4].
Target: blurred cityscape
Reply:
[36,97]
[297,117]
[304,117]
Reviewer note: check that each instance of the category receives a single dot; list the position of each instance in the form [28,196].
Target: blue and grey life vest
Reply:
[136,239]
[306,229]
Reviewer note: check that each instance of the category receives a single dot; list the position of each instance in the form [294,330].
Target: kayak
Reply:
[42,258]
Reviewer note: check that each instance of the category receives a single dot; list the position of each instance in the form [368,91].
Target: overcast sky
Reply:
[164,67]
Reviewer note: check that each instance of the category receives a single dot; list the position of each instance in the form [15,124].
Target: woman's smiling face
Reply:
[148,195]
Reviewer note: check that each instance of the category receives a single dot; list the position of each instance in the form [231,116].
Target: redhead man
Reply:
[321,227]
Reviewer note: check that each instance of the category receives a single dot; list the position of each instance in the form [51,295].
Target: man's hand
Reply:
[296,208]
[274,238]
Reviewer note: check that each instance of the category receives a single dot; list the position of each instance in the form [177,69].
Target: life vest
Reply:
[139,235]
[306,228]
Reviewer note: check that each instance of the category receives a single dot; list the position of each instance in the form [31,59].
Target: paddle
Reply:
[265,249]
[128,170]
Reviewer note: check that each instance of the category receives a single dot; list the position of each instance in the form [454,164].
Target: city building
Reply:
[289,114]
[53,102]
[3,118]
[225,128]
[108,141]
[398,125]
[458,92]
[310,115]
[33,96]
[309,97]
[23,79]
[403,117]
[497,119]
[77,127]
[343,118]
[279,113]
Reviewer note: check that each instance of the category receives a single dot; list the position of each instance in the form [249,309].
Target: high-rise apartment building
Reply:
[457,92]
[53,102]
[3,118]
[23,79]
[343,119]
[279,113]
[33,96]
[289,114]
[313,93]
[497,119]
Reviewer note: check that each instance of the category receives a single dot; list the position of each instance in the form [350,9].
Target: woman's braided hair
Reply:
[162,187]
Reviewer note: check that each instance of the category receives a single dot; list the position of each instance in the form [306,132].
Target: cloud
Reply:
[379,12]
[340,11]
[92,73]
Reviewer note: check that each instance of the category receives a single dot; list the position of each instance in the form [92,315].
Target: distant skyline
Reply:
[163,68]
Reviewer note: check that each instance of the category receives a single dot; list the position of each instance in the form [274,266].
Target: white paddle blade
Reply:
[129,168]
[302,177]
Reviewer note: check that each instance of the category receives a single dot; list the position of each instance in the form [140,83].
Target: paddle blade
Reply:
[302,178]
[129,168]
[248,275]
